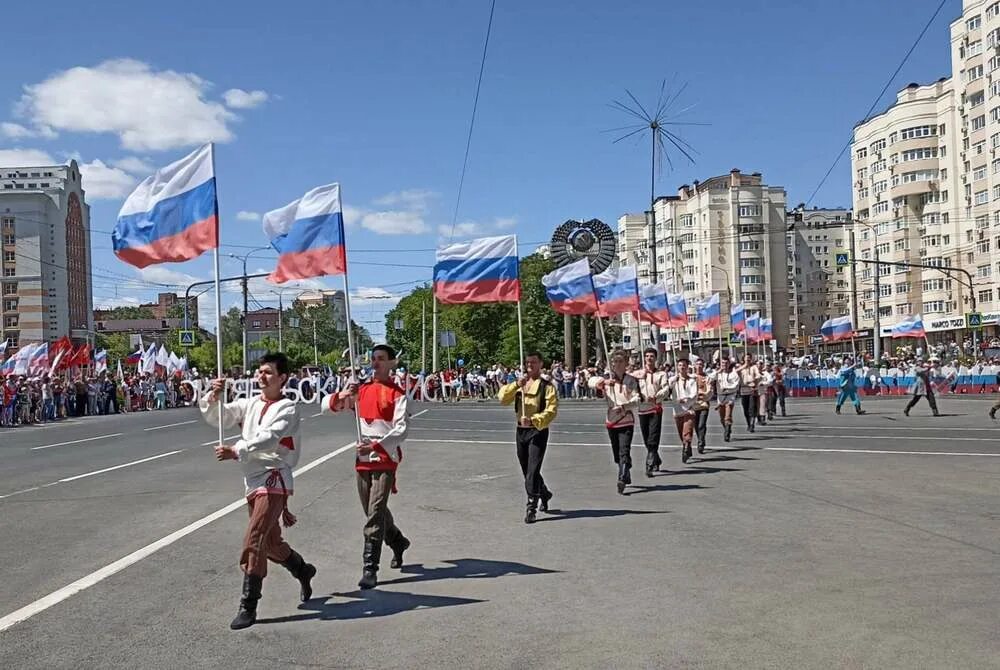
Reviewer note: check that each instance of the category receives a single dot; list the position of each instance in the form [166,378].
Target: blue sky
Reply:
[377,96]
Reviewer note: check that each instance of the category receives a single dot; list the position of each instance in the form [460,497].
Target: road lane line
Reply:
[735,448]
[86,439]
[17,493]
[170,425]
[111,569]
[118,467]
[424,411]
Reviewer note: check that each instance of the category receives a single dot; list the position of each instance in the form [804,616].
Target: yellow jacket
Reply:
[511,393]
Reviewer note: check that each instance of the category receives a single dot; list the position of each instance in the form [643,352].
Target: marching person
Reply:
[764,395]
[653,388]
[923,386]
[848,387]
[727,386]
[621,393]
[701,404]
[535,405]
[267,450]
[778,390]
[684,389]
[381,409]
[749,379]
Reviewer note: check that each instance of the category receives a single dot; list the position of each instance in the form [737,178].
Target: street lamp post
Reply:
[877,323]
[244,258]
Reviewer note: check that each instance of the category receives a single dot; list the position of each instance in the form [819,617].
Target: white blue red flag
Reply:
[751,333]
[737,317]
[708,314]
[171,216]
[483,270]
[308,235]
[653,305]
[617,291]
[766,330]
[834,330]
[570,289]
[911,326]
[101,361]
[677,306]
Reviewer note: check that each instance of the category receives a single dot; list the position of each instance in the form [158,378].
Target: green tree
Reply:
[116,344]
[176,311]
[130,313]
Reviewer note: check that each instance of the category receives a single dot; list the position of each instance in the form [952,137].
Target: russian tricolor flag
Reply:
[483,270]
[135,357]
[737,317]
[909,327]
[653,305]
[837,329]
[308,235]
[766,330]
[708,315]
[752,331]
[617,291]
[171,216]
[570,289]
[677,307]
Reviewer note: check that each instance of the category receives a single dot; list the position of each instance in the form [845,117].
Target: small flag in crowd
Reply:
[653,306]
[617,291]
[834,330]
[912,326]
[482,270]
[570,289]
[766,330]
[101,361]
[308,235]
[737,317]
[171,216]
[708,315]
[135,357]
[678,309]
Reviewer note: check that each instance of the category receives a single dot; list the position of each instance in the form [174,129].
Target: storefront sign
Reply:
[946,323]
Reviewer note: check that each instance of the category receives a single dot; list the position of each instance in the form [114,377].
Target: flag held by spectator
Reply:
[834,330]
[308,235]
[570,289]
[171,216]
[708,315]
[617,291]
[101,361]
[912,326]
[481,270]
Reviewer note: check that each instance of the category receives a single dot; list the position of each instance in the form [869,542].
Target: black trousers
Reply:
[531,444]
[81,404]
[650,425]
[621,451]
[701,425]
[750,408]
[931,400]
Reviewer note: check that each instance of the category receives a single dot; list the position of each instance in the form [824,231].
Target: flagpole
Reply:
[520,335]
[604,340]
[350,326]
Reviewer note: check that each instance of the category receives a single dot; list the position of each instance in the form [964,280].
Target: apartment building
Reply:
[725,235]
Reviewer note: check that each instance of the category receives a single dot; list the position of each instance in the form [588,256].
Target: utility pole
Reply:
[281,317]
[423,337]
[434,334]
[854,280]
[316,345]
[245,307]
[877,330]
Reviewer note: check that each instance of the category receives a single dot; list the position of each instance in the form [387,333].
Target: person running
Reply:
[848,387]
[727,387]
[749,379]
[701,404]
[684,390]
[381,409]
[535,405]
[923,387]
[268,450]
[621,394]
[653,388]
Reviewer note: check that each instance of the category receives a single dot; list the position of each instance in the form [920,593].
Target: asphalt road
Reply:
[821,541]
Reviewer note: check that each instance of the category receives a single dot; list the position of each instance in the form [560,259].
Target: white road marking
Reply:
[799,449]
[86,439]
[170,425]
[118,467]
[98,576]
[17,493]
[423,411]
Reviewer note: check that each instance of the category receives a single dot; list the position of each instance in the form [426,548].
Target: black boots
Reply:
[543,505]
[400,545]
[685,452]
[371,556]
[858,410]
[530,510]
[302,571]
[993,413]
[247,614]
[727,432]
[837,410]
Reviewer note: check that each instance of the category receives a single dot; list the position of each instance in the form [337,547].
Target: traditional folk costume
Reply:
[381,408]
[763,394]
[268,450]
[622,398]
[653,390]
[778,392]
[537,401]
[701,409]
[685,393]
[727,386]
[923,387]
[848,389]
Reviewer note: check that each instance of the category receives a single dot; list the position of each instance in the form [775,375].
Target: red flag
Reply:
[80,357]
[59,352]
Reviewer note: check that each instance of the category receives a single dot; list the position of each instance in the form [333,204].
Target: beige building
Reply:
[725,235]
[45,271]
[927,190]
[330,297]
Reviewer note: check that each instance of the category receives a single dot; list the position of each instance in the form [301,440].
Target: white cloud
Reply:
[16,131]
[465,229]
[25,158]
[147,109]
[102,181]
[237,98]
[372,293]
[134,165]
[394,223]
[159,274]
[244,215]
[111,303]
[414,198]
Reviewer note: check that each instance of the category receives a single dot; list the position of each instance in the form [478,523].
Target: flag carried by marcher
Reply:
[308,235]
[737,316]
[707,314]
[482,270]
[101,361]
[570,289]
[766,330]
[677,306]
[171,216]
[911,326]
[653,305]
[617,291]
[751,334]
[834,330]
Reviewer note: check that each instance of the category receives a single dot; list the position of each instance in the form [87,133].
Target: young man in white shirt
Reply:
[727,386]
[621,393]
[684,389]
[653,389]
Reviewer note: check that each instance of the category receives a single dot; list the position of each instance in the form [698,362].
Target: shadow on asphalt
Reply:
[367,605]
[636,488]
[466,568]
[559,515]
[716,459]
[694,470]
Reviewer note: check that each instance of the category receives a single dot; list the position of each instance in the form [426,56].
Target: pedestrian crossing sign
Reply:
[187,338]
[974,319]
[843,259]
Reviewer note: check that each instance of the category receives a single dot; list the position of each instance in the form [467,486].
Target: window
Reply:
[934,307]
[904,309]
[903,287]
[878,166]
[880,187]
[975,48]
[884,290]
[10,305]
[920,154]
[982,222]
[993,10]
[880,207]
[982,197]
[934,197]
[749,210]
[862,173]
[920,175]
[689,286]
[978,122]
[983,247]
[862,153]
[935,261]
[752,279]
[862,193]
[878,145]
[751,262]
[882,248]
[977,99]
[899,245]
[687,220]
[930,219]
[918,131]
[9,272]
[9,239]
[752,296]
[983,270]
[974,23]
[986,295]
[10,288]
[935,285]
[979,173]
[10,322]
[749,246]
